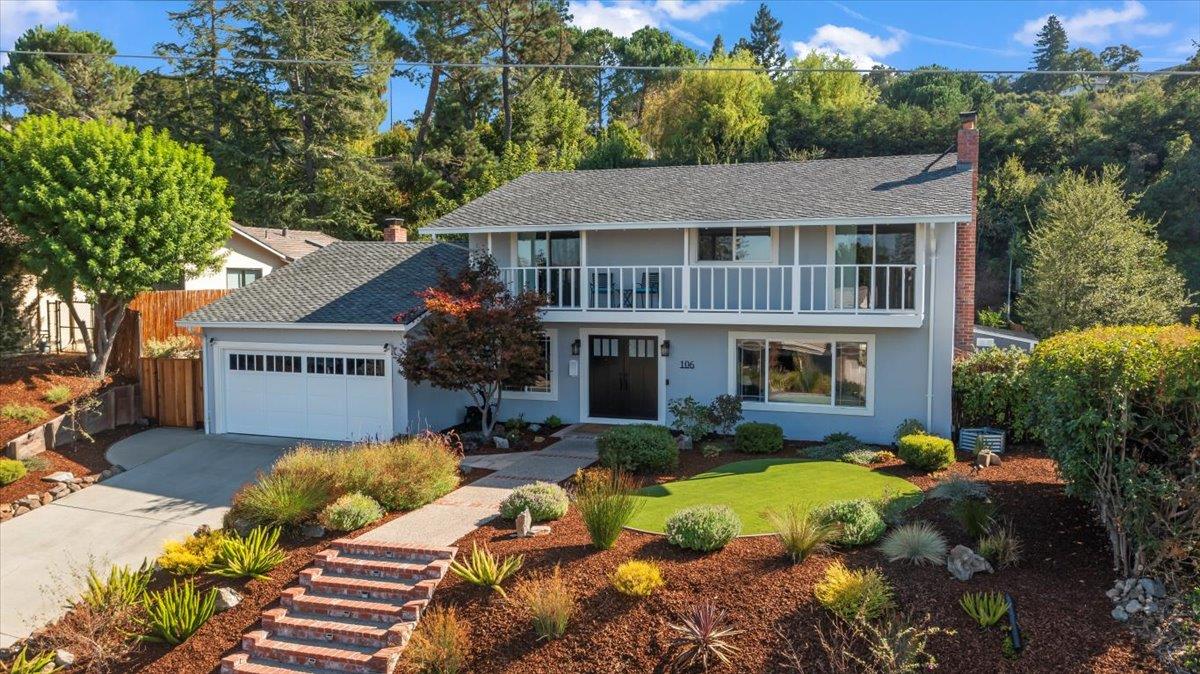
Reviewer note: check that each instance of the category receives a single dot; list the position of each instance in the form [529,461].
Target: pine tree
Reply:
[764,41]
[1049,53]
[83,87]
[718,47]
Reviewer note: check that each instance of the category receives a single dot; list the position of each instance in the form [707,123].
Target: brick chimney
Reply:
[964,254]
[394,231]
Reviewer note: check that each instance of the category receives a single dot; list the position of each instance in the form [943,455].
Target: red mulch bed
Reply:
[526,443]
[81,458]
[1058,590]
[25,379]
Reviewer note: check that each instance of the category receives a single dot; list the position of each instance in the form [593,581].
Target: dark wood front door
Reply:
[623,377]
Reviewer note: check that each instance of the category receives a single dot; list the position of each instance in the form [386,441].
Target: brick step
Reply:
[316,627]
[341,561]
[303,600]
[240,663]
[396,551]
[264,645]
[359,587]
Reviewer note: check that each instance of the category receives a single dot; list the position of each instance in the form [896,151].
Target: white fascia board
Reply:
[379,327]
[688,224]
[1002,335]
[827,320]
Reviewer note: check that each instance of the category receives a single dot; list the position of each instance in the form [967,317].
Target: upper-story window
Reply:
[734,244]
[240,278]
[875,267]
[876,244]
[548,249]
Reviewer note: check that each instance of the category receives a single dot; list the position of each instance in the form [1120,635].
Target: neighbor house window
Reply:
[875,266]
[812,371]
[734,244]
[240,278]
[543,387]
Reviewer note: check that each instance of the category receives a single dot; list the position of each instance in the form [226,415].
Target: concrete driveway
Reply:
[176,481]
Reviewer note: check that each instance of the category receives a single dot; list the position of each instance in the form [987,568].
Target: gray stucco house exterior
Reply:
[829,295]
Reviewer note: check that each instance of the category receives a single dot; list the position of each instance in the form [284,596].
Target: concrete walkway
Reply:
[467,508]
[175,482]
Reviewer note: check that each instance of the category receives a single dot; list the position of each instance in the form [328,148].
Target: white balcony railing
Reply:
[841,288]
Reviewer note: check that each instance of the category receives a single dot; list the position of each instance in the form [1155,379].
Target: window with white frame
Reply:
[734,244]
[803,371]
[544,387]
[875,266]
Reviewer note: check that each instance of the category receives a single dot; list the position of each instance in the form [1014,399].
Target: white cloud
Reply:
[21,15]
[1099,26]
[623,18]
[862,48]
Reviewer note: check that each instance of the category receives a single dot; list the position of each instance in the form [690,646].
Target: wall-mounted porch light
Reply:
[575,348]
[665,349]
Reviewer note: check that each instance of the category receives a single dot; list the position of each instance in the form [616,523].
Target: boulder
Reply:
[1132,606]
[59,476]
[539,438]
[964,563]
[524,523]
[20,510]
[500,442]
[63,658]
[46,498]
[986,459]
[6,512]
[1119,613]
[1152,588]
[227,598]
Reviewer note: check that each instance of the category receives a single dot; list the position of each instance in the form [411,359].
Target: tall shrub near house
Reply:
[990,389]
[110,212]
[477,337]
[1119,409]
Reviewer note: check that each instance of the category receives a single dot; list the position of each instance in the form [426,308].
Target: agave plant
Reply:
[702,639]
[486,570]
[986,608]
[40,663]
[249,557]
[174,614]
[123,587]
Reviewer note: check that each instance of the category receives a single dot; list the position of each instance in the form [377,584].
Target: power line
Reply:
[593,67]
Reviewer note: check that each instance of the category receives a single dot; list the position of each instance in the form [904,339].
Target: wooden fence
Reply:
[173,391]
[160,309]
[126,353]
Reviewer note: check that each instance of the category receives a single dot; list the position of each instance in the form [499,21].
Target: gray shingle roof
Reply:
[825,188]
[293,245]
[345,282]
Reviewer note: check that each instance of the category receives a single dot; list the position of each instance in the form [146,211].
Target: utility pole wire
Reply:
[593,66]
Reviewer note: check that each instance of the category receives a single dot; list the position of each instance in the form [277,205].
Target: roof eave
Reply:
[258,242]
[277,325]
[943,218]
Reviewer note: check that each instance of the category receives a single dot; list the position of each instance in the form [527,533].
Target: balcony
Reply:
[839,294]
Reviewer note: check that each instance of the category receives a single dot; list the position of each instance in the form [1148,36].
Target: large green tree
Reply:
[646,47]
[84,87]
[765,43]
[1050,52]
[109,212]
[1093,262]
[550,118]
[838,87]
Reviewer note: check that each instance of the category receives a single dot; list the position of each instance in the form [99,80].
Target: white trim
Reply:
[585,373]
[682,224]
[832,319]
[552,394]
[833,338]
[695,250]
[298,326]
[1001,335]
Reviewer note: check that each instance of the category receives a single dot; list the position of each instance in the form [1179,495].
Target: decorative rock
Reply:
[63,658]
[20,510]
[1113,594]
[32,501]
[106,473]
[540,530]
[46,498]
[985,459]
[524,523]
[539,438]
[1152,587]
[89,479]
[60,490]
[60,476]
[227,598]
[500,442]
[1132,606]
[1119,613]
[74,486]
[6,512]
[964,563]
[313,531]
[685,443]
[535,428]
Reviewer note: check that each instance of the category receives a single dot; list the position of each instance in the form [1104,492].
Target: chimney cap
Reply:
[967,116]
[393,222]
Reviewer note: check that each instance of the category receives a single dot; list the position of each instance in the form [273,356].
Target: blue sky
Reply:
[963,34]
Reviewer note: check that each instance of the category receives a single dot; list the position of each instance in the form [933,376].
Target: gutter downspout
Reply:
[932,309]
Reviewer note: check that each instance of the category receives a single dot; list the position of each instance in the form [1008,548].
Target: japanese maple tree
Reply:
[477,337]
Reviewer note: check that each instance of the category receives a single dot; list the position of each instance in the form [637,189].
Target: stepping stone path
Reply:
[354,611]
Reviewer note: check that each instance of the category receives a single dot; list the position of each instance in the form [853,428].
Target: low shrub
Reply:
[927,453]
[175,346]
[691,418]
[11,470]
[895,644]
[484,569]
[711,450]
[891,506]
[862,457]
[1001,546]
[249,556]
[174,614]
[832,451]
[550,603]
[956,487]
[545,501]
[918,543]
[726,412]
[703,527]
[800,531]
[884,455]
[439,645]
[702,638]
[37,663]
[753,437]
[637,578]
[192,554]
[552,421]
[638,447]
[99,639]
[857,522]
[840,436]
[124,587]
[29,414]
[280,500]
[909,426]
[57,395]
[991,388]
[975,515]
[985,608]
[606,503]
[35,463]
[351,511]
[858,594]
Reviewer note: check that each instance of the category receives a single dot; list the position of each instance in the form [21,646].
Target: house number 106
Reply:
[687,365]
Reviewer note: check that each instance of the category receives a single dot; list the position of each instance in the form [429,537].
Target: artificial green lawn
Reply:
[750,487]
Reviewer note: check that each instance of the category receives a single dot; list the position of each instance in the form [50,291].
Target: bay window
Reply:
[802,372]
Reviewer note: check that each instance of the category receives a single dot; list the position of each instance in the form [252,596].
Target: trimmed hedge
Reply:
[753,437]
[1117,409]
[928,453]
[991,389]
[638,447]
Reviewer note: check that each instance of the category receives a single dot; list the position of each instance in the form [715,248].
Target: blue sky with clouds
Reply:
[962,34]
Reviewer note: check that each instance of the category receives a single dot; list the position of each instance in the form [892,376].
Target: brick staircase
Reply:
[354,611]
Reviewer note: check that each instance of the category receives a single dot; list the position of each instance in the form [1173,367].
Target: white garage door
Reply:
[326,396]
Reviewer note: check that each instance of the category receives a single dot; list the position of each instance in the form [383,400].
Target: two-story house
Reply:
[828,295]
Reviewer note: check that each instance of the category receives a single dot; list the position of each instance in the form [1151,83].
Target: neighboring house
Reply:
[253,252]
[828,295]
[988,338]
